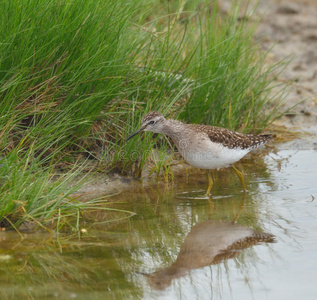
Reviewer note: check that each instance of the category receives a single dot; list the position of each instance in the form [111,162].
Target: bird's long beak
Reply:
[135,133]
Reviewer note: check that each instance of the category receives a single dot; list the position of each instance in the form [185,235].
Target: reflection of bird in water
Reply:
[208,243]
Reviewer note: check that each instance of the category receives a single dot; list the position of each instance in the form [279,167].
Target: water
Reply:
[176,245]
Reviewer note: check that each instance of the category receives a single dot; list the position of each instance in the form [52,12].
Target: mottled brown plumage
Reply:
[228,138]
[149,116]
[231,139]
[204,146]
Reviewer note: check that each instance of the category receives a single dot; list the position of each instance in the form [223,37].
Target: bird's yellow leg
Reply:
[240,175]
[210,183]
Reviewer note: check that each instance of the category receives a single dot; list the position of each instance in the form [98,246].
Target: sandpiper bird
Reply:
[204,146]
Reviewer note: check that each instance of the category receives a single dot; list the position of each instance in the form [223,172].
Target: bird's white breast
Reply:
[205,154]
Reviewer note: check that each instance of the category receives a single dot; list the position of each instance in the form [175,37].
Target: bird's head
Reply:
[152,121]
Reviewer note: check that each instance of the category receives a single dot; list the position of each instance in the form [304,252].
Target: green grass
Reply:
[76,77]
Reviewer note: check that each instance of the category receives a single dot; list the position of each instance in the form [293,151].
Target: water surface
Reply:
[179,245]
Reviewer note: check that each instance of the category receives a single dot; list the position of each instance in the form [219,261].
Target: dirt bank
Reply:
[289,29]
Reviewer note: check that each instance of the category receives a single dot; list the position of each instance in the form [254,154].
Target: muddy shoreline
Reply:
[288,29]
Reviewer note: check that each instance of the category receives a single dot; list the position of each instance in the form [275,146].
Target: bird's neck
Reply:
[173,129]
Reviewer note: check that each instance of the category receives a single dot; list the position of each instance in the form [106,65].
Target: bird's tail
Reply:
[258,140]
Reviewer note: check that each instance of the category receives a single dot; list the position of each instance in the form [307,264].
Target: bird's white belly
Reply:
[217,156]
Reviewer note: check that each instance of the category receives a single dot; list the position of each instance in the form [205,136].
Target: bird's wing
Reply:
[232,139]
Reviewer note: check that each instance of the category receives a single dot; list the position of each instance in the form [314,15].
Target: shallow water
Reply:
[179,245]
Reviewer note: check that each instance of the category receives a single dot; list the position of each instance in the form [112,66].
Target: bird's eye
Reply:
[151,123]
